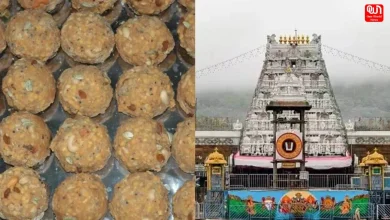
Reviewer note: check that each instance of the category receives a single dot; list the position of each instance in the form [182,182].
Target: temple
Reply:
[294,149]
[294,71]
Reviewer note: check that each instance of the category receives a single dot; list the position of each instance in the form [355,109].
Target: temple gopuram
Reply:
[294,157]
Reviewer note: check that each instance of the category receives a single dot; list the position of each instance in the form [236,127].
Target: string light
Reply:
[262,49]
[356,59]
[230,62]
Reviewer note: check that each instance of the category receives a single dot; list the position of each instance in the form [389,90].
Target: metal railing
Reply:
[365,211]
[383,211]
[238,212]
[214,210]
[265,181]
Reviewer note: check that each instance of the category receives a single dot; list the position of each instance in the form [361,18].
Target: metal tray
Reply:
[51,171]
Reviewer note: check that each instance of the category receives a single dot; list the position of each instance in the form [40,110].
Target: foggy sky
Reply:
[227,28]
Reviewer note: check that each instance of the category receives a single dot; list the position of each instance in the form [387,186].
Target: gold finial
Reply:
[375,150]
[215,158]
[216,149]
[280,39]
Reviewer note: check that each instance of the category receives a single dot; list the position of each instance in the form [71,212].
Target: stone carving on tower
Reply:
[294,70]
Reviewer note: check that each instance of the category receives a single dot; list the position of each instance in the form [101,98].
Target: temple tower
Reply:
[295,70]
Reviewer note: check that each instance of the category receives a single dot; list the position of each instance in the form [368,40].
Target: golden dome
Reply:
[375,155]
[215,158]
[375,159]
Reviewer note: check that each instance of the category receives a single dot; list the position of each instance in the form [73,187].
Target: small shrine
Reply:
[374,165]
[215,168]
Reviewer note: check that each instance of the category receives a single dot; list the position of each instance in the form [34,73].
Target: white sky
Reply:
[227,28]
